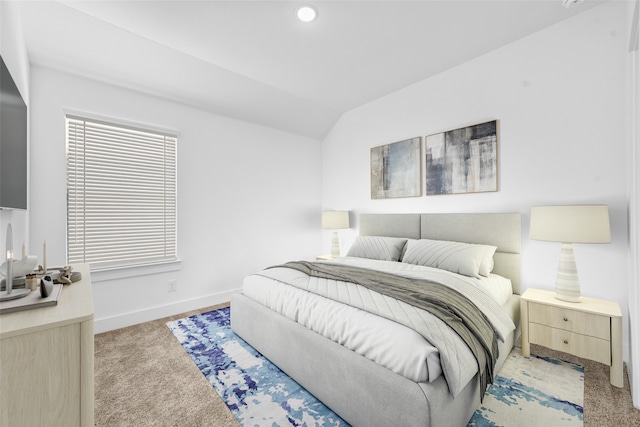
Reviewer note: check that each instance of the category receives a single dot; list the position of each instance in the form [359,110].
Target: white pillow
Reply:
[486,266]
[377,247]
[498,287]
[457,257]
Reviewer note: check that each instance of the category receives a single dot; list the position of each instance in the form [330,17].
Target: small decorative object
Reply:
[396,169]
[24,266]
[335,220]
[31,281]
[44,256]
[567,225]
[11,293]
[463,160]
[46,286]
[65,275]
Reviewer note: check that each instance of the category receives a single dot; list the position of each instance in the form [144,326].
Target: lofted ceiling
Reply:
[254,61]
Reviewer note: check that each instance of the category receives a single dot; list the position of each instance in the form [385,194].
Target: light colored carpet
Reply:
[143,377]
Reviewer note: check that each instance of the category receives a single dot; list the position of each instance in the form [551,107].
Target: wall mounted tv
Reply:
[13,143]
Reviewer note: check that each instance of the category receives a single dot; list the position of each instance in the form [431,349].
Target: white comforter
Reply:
[406,340]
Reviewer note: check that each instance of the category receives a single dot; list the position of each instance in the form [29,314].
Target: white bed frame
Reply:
[359,390]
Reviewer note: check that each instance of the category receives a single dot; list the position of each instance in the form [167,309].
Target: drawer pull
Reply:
[565,319]
[566,341]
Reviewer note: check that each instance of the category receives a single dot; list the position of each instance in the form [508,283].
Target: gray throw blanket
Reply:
[450,306]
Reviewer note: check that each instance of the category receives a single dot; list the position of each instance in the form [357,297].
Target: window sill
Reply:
[115,273]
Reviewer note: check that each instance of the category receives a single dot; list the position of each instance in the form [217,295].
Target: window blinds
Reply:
[121,194]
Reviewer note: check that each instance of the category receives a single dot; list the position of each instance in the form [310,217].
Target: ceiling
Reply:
[254,61]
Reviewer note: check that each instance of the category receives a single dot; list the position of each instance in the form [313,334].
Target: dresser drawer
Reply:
[571,320]
[570,342]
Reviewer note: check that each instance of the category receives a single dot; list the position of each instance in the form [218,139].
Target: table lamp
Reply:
[335,220]
[568,225]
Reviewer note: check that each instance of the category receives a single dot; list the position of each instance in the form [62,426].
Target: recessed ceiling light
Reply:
[306,13]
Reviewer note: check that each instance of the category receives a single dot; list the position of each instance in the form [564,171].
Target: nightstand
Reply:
[324,257]
[591,329]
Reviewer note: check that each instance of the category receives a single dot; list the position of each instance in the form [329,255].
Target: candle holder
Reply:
[9,293]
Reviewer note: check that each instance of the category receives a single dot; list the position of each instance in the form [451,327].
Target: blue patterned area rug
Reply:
[527,391]
[533,391]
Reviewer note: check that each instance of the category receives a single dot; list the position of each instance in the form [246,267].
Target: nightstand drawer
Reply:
[562,340]
[571,320]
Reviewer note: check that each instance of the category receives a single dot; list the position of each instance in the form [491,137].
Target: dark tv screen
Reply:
[13,143]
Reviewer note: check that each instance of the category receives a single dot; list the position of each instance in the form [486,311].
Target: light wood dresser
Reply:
[591,329]
[46,361]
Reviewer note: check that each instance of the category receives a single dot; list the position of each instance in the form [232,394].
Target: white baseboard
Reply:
[133,318]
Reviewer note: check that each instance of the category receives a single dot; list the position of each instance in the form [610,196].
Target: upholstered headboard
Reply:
[502,230]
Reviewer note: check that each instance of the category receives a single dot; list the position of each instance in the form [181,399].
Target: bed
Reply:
[363,384]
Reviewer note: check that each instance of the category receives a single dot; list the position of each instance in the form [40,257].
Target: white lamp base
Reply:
[15,294]
[567,283]
[335,245]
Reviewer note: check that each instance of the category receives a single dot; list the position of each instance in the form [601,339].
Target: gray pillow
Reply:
[377,247]
[462,258]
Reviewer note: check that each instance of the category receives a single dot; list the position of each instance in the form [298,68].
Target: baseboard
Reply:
[133,318]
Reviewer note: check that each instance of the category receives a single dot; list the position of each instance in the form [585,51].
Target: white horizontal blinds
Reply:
[121,206]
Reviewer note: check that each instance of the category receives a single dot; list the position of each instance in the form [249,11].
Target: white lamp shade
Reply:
[335,219]
[570,224]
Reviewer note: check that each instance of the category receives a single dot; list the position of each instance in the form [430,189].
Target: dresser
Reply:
[591,329]
[46,361]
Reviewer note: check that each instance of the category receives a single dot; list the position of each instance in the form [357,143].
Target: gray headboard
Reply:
[498,229]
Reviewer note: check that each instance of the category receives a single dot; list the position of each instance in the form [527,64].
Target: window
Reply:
[121,194]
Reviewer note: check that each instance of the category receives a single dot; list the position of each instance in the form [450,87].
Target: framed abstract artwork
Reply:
[396,169]
[463,160]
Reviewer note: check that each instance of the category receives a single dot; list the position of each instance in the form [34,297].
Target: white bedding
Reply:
[387,331]
[390,344]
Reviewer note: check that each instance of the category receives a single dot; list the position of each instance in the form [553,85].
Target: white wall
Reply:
[248,196]
[14,54]
[634,202]
[559,97]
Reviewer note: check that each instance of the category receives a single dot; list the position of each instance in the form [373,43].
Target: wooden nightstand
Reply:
[591,329]
[324,257]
